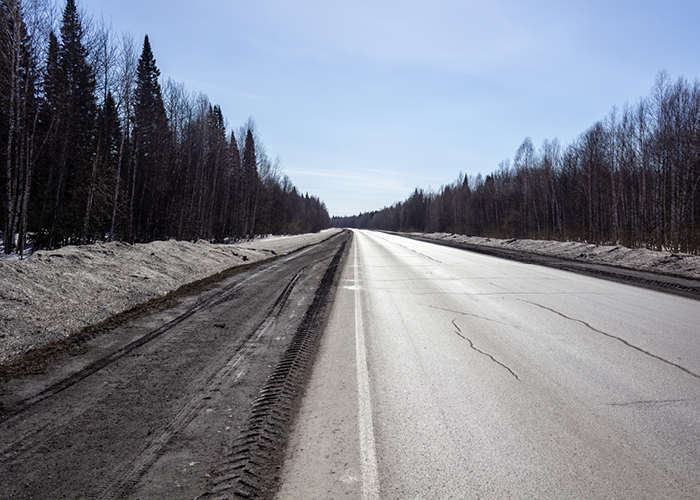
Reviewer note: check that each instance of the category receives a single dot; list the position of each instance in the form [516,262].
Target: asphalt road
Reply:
[155,408]
[448,374]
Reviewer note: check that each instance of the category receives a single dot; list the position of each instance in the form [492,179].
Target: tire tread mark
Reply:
[20,406]
[101,363]
[251,467]
[129,477]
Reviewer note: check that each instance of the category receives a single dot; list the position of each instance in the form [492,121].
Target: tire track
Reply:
[252,466]
[105,361]
[128,423]
[131,475]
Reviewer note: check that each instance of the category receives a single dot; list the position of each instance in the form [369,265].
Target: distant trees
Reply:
[92,147]
[632,179]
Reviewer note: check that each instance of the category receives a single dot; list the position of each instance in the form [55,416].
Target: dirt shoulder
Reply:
[54,294]
[193,399]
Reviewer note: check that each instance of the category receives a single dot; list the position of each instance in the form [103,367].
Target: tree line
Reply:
[631,179]
[93,147]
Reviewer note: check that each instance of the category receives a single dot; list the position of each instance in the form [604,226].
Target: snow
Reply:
[55,293]
[676,264]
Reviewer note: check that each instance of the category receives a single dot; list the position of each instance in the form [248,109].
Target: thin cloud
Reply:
[322,174]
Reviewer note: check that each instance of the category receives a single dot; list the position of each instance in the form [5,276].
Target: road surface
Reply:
[447,374]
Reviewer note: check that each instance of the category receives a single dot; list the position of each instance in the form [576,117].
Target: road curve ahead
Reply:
[448,374]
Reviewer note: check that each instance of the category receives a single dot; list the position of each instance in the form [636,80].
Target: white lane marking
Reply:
[368,455]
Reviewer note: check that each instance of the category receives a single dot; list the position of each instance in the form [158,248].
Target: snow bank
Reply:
[676,264]
[53,294]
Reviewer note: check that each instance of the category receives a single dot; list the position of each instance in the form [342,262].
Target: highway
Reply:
[448,374]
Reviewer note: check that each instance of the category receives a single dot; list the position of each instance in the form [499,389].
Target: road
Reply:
[447,374]
[155,408]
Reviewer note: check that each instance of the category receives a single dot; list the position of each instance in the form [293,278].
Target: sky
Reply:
[365,100]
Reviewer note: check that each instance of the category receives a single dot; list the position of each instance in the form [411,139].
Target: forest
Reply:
[630,179]
[94,146]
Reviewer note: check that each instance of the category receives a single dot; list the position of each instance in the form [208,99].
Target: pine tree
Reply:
[251,183]
[149,170]
[73,86]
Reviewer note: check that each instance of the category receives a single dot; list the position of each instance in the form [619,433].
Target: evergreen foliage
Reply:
[75,109]
[138,162]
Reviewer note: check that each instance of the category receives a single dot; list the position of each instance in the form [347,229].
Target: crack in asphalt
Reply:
[458,331]
[620,339]
[650,402]
[423,255]
[467,314]
[416,251]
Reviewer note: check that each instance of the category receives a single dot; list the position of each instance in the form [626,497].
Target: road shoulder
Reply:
[323,456]
[677,285]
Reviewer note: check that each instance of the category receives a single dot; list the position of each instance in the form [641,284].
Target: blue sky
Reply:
[365,100]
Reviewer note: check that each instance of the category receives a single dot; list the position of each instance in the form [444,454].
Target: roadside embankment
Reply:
[55,293]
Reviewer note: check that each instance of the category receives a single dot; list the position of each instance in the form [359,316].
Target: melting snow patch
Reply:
[685,265]
[55,293]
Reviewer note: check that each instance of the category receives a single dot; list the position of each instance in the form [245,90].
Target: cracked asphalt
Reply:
[496,379]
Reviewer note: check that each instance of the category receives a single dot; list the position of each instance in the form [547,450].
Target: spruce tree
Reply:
[47,165]
[250,183]
[105,171]
[151,135]
[231,198]
[75,106]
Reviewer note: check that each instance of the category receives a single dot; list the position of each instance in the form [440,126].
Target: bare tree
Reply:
[125,81]
[24,24]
